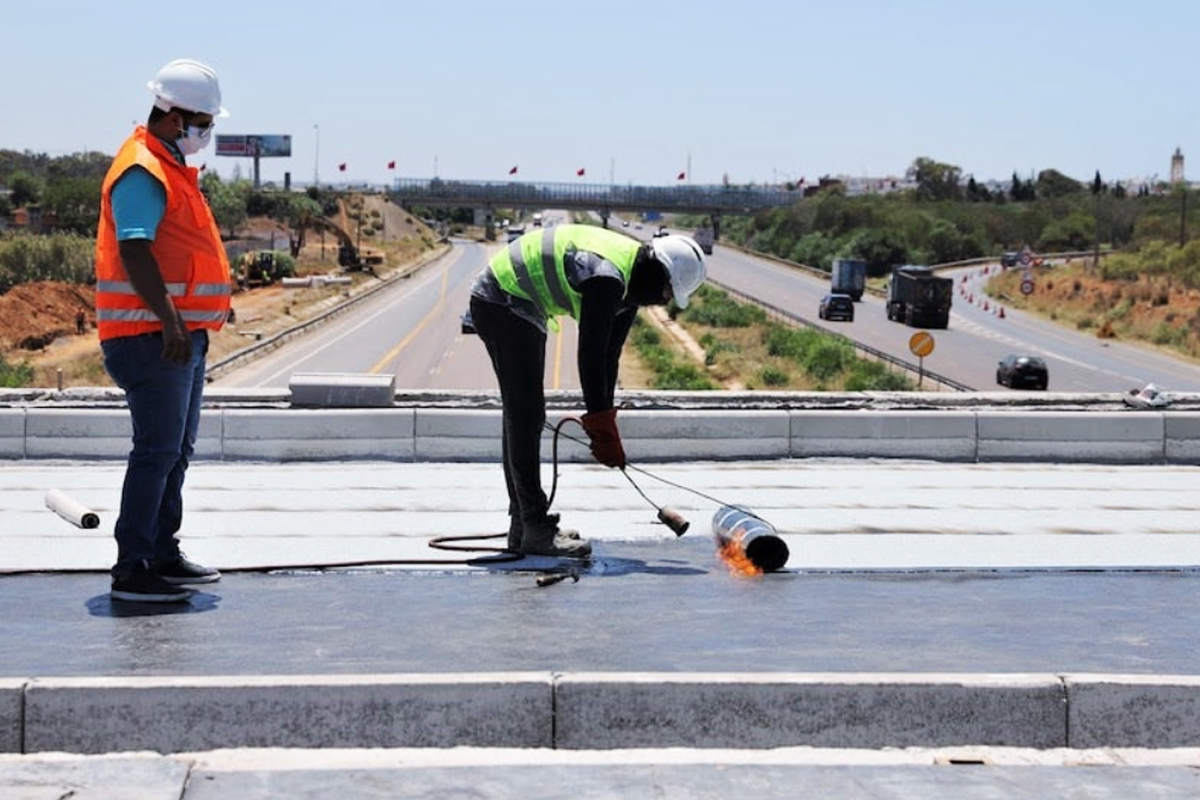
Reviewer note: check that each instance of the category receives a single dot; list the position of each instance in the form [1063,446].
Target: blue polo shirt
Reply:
[139,202]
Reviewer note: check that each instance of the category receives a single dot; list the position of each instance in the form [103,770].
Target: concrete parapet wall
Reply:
[1181,430]
[764,711]
[12,716]
[1134,710]
[1097,436]
[171,715]
[937,435]
[334,434]
[599,711]
[433,434]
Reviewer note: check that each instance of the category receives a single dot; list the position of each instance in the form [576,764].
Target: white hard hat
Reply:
[684,262]
[190,85]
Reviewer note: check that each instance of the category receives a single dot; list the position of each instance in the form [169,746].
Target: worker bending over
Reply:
[599,278]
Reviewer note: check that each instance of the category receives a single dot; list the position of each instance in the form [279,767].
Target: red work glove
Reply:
[601,426]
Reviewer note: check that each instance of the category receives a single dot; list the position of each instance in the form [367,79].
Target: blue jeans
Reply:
[164,402]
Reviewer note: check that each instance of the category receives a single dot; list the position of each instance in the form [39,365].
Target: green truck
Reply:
[919,298]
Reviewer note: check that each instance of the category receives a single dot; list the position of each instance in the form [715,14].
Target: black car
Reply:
[1010,259]
[836,306]
[1022,372]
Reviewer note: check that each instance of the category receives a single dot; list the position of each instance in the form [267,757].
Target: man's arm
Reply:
[601,335]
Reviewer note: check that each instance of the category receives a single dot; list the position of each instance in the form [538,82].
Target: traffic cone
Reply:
[1001,312]
[985,305]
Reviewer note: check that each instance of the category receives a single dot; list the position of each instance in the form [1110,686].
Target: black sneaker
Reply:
[180,571]
[142,584]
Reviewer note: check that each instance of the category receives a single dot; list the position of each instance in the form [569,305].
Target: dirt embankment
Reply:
[40,325]
[32,315]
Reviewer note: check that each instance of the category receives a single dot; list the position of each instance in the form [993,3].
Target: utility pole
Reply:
[317,158]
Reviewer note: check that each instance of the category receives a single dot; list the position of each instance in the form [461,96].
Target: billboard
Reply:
[251,146]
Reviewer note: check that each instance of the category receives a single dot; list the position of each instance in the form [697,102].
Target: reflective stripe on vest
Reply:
[173,289]
[146,315]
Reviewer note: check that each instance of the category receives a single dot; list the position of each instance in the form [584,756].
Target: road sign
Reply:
[1027,285]
[1026,257]
[921,344]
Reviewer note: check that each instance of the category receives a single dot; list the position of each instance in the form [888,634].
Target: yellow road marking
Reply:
[433,312]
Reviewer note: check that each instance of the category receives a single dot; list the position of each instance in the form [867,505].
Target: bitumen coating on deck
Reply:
[895,567]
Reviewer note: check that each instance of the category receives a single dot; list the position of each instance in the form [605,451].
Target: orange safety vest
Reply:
[187,247]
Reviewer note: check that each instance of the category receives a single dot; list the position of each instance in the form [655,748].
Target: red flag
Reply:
[342,167]
[391,165]
[580,171]
[681,176]
[203,167]
[512,171]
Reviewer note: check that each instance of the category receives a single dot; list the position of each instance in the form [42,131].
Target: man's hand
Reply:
[177,342]
[601,427]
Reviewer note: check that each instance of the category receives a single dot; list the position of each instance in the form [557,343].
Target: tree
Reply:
[936,181]
[227,201]
[24,189]
[1097,184]
[880,248]
[1022,192]
[1052,183]
[75,203]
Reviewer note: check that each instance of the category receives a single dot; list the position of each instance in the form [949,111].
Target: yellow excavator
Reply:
[350,257]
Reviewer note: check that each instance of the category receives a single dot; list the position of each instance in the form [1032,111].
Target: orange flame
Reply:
[734,556]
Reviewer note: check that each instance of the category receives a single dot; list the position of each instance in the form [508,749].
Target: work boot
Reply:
[544,538]
[514,534]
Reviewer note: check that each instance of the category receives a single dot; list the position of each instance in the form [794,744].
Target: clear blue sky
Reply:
[633,90]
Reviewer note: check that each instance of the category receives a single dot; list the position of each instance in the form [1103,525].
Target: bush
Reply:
[717,309]
[828,358]
[774,376]
[65,257]
[13,376]
[791,343]
[874,376]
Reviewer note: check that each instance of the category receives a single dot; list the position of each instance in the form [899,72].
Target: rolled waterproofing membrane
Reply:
[71,510]
[756,537]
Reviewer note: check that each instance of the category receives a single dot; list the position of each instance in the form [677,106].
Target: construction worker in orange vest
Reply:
[162,283]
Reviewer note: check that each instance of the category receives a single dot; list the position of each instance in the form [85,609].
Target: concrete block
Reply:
[764,710]
[936,435]
[458,434]
[318,434]
[342,390]
[12,692]
[180,714]
[77,432]
[659,435]
[1181,429]
[101,433]
[1157,711]
[1119,437]
[12,433]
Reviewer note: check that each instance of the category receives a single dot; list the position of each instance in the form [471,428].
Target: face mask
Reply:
[647,284]
[193,140]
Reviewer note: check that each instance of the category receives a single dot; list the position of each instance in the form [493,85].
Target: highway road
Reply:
[976,339]
[412,330]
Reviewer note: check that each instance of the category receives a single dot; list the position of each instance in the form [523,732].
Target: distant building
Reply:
[1177,167]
